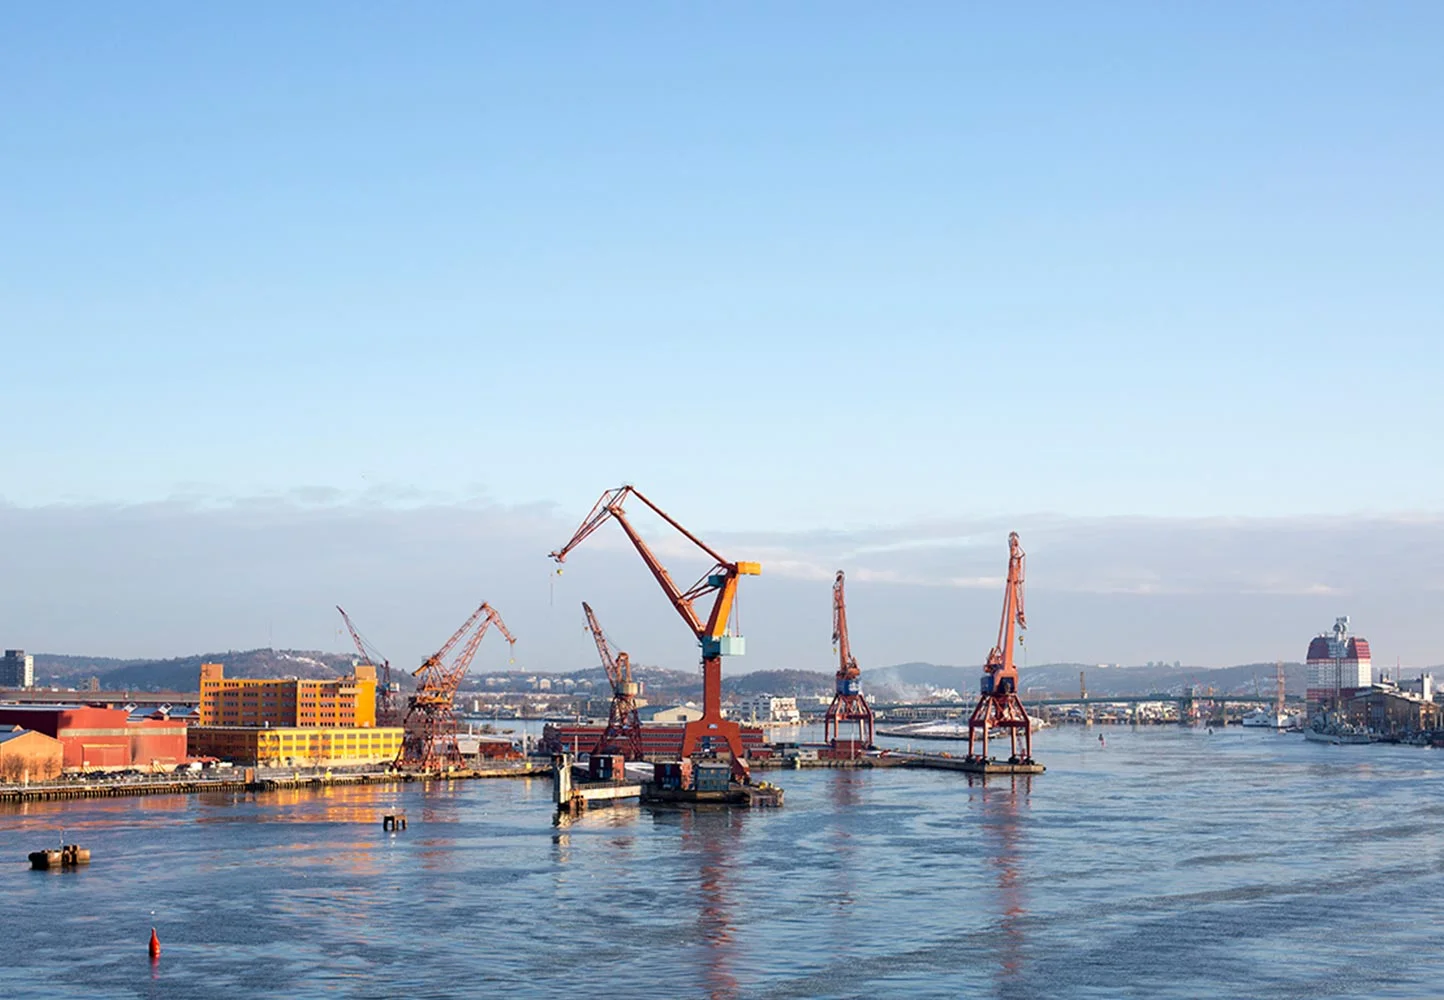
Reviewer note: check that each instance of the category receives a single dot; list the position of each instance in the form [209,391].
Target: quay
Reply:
[573,796]
[250,783]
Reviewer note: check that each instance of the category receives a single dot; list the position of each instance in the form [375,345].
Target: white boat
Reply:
[1263,719]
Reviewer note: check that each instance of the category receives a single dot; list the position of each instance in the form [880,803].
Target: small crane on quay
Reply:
[624,728]
[711,733]
[998,705]
[848,704]
[387,710]
[429,743]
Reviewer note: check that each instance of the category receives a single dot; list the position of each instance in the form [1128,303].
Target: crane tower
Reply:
[998,704]
[624,729]
[848,704]
[387,711]
[429,743]
[712,733]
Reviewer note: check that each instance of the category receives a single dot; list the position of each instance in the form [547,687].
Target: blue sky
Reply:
[787,267]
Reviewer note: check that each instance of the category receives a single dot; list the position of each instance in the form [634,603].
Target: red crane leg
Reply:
[712,731]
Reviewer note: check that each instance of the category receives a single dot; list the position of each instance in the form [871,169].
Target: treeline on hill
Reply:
[903,682]
[182,673]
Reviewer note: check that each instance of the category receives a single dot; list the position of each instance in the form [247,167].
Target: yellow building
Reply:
[297,746]
[244,701]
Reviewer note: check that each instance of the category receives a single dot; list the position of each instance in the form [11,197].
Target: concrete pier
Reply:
[165,785]
[574,797]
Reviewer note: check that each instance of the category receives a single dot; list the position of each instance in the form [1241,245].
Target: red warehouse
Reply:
[93,736]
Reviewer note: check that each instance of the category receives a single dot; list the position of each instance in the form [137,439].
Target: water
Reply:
[1168,863]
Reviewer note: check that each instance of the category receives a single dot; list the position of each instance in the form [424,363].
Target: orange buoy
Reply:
[154,944]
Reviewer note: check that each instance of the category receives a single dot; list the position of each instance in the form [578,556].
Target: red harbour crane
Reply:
[624,729]
[848,704]
[999,706]
[430,740]
[711,733]
[387,710]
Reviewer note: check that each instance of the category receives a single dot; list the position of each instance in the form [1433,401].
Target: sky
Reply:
[1104,272]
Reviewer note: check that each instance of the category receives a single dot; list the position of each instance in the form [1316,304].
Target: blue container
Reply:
[986,685]
[849,685]
[713,777]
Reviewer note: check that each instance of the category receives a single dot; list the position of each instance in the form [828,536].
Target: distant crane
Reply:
[1278,692]
[624,728]
[998,705]
[848,704]
[711,733]
[429,743]
[387,710]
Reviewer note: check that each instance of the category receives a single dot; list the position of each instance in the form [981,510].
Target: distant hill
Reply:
[662,685]
[779,682]
[183,673]
[64,671]
[901,682]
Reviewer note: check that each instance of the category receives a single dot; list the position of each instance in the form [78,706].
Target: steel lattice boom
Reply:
[848,704]
[387,710]
[998,705]
[711,733]
[624,728]
[430,740]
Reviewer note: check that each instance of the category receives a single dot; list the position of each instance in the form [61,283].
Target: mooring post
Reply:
[562,779]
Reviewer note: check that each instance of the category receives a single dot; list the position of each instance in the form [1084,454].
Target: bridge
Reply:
[1183,701]
[48,696]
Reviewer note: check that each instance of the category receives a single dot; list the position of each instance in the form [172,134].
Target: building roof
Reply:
[6,735]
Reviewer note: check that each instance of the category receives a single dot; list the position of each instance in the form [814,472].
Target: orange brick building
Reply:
[234,701]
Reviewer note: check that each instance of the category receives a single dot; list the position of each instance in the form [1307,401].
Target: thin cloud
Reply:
[191,574]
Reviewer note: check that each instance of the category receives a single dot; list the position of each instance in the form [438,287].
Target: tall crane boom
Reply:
[711,732]
[386,706]
[430,739]
[624,727]
[848,704]
[998,703]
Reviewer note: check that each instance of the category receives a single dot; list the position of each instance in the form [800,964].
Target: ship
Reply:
[1268,719]
[1338,733]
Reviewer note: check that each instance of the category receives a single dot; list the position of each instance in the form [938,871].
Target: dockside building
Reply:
[1339,667]
[292,722]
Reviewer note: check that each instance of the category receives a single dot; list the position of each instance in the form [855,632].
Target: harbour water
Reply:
[1165,863]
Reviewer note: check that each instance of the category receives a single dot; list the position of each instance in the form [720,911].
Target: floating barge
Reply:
[759,796]
[67,856]
[973,765]
[609,778]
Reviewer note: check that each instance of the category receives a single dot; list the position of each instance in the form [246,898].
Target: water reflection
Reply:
[713,834]
[1002,798]
[844,795]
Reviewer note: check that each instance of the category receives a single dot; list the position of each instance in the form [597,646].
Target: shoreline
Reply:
[195,786]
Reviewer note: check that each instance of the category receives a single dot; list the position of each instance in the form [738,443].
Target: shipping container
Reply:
[673,775]
[712,777]
[606,767]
